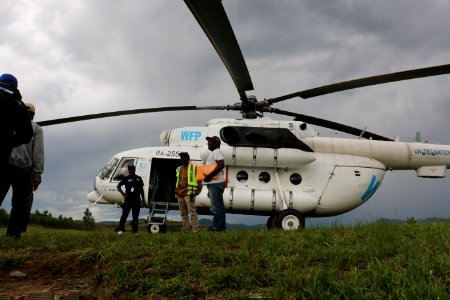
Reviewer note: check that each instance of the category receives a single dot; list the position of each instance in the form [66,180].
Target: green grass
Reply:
[376,261]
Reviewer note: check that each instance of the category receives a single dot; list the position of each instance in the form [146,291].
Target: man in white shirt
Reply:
[215,182]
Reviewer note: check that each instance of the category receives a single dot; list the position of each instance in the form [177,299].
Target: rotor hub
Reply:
[251,108]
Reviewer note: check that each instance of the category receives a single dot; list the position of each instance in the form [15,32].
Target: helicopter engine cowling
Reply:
[266,157]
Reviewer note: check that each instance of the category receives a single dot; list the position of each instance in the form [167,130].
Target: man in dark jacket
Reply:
[133,197]
[15,123]
[24,170]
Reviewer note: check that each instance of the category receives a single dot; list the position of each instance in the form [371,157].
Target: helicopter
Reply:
[280,169]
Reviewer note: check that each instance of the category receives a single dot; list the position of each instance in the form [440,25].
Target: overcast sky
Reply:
[82,57]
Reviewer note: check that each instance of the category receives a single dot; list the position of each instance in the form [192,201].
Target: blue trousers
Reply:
[215,191]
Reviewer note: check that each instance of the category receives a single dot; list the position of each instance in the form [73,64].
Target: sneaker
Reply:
[120,232]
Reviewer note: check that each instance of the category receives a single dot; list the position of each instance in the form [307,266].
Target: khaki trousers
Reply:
[187,208]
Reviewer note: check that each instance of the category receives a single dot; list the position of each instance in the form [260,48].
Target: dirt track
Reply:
[58,277]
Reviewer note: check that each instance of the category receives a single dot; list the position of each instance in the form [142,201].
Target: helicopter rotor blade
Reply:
[367,81]
[126,112]
[332,125]
[211,16]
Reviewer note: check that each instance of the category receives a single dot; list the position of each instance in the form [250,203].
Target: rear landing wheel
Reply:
[290,219]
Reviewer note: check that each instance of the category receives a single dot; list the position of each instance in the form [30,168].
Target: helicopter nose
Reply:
[92,196]
[95,197]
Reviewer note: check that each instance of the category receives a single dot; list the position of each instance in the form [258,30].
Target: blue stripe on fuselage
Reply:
[371,189]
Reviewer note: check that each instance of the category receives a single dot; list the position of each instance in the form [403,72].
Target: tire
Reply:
[157,228]
[271,222]
[290,219]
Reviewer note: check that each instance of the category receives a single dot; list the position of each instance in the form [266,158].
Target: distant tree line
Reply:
[45,219]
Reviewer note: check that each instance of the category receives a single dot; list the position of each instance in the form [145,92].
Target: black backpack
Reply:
[15,122]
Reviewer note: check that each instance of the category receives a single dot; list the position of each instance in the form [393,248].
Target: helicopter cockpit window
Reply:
[295,179]
[107,170]
[264,177]
[123,169]
[242,176]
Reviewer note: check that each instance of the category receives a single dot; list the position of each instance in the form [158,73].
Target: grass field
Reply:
[375,261]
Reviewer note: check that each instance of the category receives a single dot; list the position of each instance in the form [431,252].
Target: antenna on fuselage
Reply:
[418,137]
[362,132]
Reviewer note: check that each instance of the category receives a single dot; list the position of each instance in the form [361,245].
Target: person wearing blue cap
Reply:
[15,130]
[26,165]
[15,122]
[133,197]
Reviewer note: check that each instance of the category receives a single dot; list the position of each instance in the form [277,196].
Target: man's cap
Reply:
[185,154]
[131,166]
[9,79]
[213,138]
[30,107]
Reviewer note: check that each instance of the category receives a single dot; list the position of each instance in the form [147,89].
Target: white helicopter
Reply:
[279,169]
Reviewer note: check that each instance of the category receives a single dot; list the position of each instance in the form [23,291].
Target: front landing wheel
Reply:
[157,228]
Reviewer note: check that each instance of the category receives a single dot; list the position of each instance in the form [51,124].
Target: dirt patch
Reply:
[60,274]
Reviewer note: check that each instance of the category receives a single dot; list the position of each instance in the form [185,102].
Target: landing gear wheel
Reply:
[271,222]
[157,228]
[290,219]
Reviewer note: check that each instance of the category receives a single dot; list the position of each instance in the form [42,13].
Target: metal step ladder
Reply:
[157,217]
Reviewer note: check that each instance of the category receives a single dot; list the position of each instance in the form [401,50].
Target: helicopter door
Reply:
[162,180]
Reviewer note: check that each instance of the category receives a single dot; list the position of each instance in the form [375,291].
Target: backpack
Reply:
[15,122]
